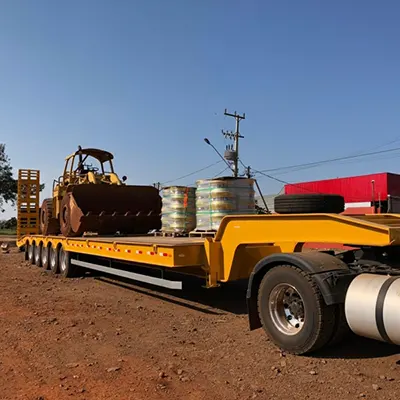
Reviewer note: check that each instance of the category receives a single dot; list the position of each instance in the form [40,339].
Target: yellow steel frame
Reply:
[28,202]
[241,241]
[287,233]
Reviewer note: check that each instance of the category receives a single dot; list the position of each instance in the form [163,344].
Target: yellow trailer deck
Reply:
[299,298]
[238,245]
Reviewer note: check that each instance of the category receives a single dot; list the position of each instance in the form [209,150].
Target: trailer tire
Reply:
[45,257]
[54,260]
[38,255]
[31,253]
[309,203]
[292,311]
[67,270]
[26,251]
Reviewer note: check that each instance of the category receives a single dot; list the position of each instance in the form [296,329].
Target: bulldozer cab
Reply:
[90,166]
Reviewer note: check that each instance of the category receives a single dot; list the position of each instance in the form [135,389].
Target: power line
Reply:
[192,173]
[317,163]
[275,178]
[344,162]
[219,173]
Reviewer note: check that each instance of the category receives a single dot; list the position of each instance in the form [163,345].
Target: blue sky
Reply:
[149,79]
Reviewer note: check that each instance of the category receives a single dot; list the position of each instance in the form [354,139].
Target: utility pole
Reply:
[233,154]
[250,175]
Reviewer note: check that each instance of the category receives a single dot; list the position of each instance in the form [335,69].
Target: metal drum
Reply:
[178,214]
[216,198]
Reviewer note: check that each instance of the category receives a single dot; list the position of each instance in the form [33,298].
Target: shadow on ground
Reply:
[228,298]
[357,347]
[231,298]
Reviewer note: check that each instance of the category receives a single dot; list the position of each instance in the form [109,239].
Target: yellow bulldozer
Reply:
[92,198]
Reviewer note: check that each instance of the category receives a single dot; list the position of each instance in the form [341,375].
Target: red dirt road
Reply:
[94,338]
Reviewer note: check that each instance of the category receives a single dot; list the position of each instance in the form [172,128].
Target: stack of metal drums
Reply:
[216,198]
[178,214]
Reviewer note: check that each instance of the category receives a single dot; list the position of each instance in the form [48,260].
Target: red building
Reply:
[365,193]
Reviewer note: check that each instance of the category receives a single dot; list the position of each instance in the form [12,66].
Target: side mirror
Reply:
[124,178]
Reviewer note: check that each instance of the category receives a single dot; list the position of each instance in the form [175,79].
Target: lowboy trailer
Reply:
[304,300]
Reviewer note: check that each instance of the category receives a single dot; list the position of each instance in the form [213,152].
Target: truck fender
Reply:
[330,273]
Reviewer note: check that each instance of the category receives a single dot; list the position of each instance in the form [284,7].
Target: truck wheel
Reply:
[67,270]
[45,258]
[54,260]
[38,252]
[309,203]
[31,253]
[292,311]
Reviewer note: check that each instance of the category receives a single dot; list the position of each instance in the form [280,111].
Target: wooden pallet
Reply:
[202,234]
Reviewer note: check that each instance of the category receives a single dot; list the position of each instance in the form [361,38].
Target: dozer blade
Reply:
[107,209]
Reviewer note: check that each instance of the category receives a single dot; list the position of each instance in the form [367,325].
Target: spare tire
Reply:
[309,203]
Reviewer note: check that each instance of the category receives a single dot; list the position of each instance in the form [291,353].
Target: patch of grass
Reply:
[7,232]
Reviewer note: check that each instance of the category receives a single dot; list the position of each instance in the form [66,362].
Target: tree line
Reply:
[10,224]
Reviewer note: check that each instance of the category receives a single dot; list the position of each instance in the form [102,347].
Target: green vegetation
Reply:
[8,227]
[8,185]
[8,232]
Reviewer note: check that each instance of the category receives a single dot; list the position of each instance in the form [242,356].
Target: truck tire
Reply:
[308,203]
[38,255]
[292,311]
[31,253]
[45,258]
[67,270]
[54,260]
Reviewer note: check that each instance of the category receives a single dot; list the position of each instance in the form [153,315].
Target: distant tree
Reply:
[11,223]
[8,185]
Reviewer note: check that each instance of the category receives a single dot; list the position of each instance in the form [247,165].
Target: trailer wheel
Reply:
[38,255]
[292,311]
[309,203]
[26,251]
[45,258]
[54,260]
[31,253]
[67,270]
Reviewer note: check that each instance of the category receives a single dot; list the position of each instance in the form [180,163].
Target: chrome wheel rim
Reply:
[286,308]
[30,252]
[37,253]
[52,257]
[44,255]
[63,266]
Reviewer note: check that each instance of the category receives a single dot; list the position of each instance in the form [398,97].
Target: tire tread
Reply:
[326,315]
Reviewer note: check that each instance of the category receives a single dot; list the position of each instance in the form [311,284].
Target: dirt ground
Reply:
[97,338]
